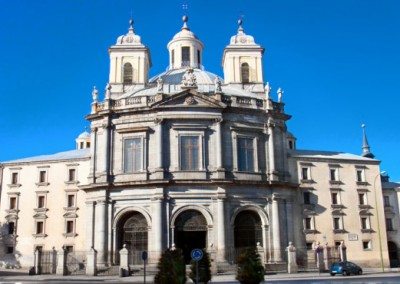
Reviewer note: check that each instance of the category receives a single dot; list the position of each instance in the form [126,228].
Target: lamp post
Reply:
[377,220]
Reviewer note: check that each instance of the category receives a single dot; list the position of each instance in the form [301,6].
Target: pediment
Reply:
[189,98]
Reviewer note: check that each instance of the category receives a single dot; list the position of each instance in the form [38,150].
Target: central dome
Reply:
[174,77]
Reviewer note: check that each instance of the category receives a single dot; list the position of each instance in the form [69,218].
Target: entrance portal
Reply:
[393,256]
[190,232]
[247,229]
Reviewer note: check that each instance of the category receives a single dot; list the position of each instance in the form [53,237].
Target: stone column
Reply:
[157,204]
[100,243]
[271,150]
[265,241]
[93,154]
[91,260]
[61,262]
[104,170]
[219,145]
[124,261]
[290,223]
[159,171]
[89,224]
[221,225]
[276,229]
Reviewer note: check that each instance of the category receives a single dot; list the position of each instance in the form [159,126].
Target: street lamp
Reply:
[377,220]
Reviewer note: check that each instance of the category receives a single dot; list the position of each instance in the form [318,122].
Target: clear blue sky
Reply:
[337,61]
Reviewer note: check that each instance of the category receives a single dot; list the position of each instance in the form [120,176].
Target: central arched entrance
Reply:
[248,229]
[133,232]
[190,232]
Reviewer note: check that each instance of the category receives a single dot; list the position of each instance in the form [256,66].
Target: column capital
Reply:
[218,120]
[276,197]
[159,120]
[101,202]
[90,202]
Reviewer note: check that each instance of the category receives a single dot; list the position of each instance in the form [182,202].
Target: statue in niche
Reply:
[217,85]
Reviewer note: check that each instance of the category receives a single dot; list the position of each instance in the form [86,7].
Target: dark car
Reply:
[345,268]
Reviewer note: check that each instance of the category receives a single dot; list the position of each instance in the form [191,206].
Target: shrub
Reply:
[204,268]
[249,267]
[171,268]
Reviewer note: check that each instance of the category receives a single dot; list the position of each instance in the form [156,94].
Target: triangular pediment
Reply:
[189,98]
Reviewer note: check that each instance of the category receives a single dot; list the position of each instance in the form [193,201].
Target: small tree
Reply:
[171,268]
[204,268]
[249,267]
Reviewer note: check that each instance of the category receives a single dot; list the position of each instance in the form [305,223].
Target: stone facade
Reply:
[190,160]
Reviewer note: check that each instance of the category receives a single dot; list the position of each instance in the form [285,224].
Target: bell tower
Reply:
[242,61]
[129,61]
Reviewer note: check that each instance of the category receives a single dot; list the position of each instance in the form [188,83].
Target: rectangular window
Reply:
[40,201]
[39,227]
[14,178]
[42,176]
[71,200]
[364,223]
[307,197]
[366,245]
[198,57]
[360,175]
[71,174]
[337,243]
[70,227]
[309,246]
[69,248]
[389,224]
[334,196]
[189,153]
[172,57]
[336,223]
[11,228]
[10,249]
[307,223]
[133,155]
[362,200]
[304,173]
[333,174]
[185,56]
[13,203]
[245,154]
[386,200]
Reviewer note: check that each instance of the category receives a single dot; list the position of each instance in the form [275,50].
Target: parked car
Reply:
[345,268]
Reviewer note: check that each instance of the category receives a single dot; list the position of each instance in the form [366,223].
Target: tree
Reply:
[249,267]
[171,268]
[204,268]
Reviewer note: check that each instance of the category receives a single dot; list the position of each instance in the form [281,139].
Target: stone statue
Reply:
[108,91]
[267,90]
[159,85]
[217,85]
[189,79]
[95,94]
[280,94]
[292,264]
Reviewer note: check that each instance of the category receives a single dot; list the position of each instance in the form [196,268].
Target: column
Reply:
[89,224]
[159,168]
[221,229]
[219,146]
[93,150]
[271,150]
[265,240]
[276,230]
[105,154]
[157,204]
[100,244]
[289,218]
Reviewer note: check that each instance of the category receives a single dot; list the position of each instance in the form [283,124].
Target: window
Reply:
[333,174]
[42,176]
[365,223]
[245,72]
[338,243]
[245,154]
[69,248]
[70,227]
[40,201]
[87,144]
[39,227]
[185,56]
[71,200]
[291,145]
[14,178]
[189,153]
[128,73]
[362,198]
[133,155]
[11,228]
[366,245]
[334,196]
[81,145]
[307,197]
[389,224]
[198,58]
[386,200]
[304,173]
[307,223]
[71,175]
[337,224]
[10,249]
[13,203]
[360,175]
[172,57]
[309,246]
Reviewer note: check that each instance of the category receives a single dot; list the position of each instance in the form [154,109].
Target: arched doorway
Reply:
[393,255]
[132,231]
[247,231]
[190,232]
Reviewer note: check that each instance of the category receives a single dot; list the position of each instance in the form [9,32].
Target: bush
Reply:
[249,267]
[204,268]
[171,268]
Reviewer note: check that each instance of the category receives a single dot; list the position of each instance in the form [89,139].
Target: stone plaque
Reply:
[353,237]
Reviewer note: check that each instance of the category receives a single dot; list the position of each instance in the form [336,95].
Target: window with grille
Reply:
[39,227]
[13,203]
[333,174]
[70,227]
[307,223]
[245,72]
[133,155]
[71,200]
[42,176]
[14,178]
[71,174]
[365,223]
[334,196]
[245,154]
[362,199]
[190,151]
[128,73]
[337,223]
[360,175]
[185,56]
[40,201]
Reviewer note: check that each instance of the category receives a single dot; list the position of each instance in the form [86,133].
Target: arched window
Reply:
[247,231]
[245,72]
[128,73]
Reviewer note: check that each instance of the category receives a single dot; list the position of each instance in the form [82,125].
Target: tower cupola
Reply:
[185,49]
[83,140]
[366,150]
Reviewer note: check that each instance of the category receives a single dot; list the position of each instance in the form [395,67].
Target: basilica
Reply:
[189,159]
